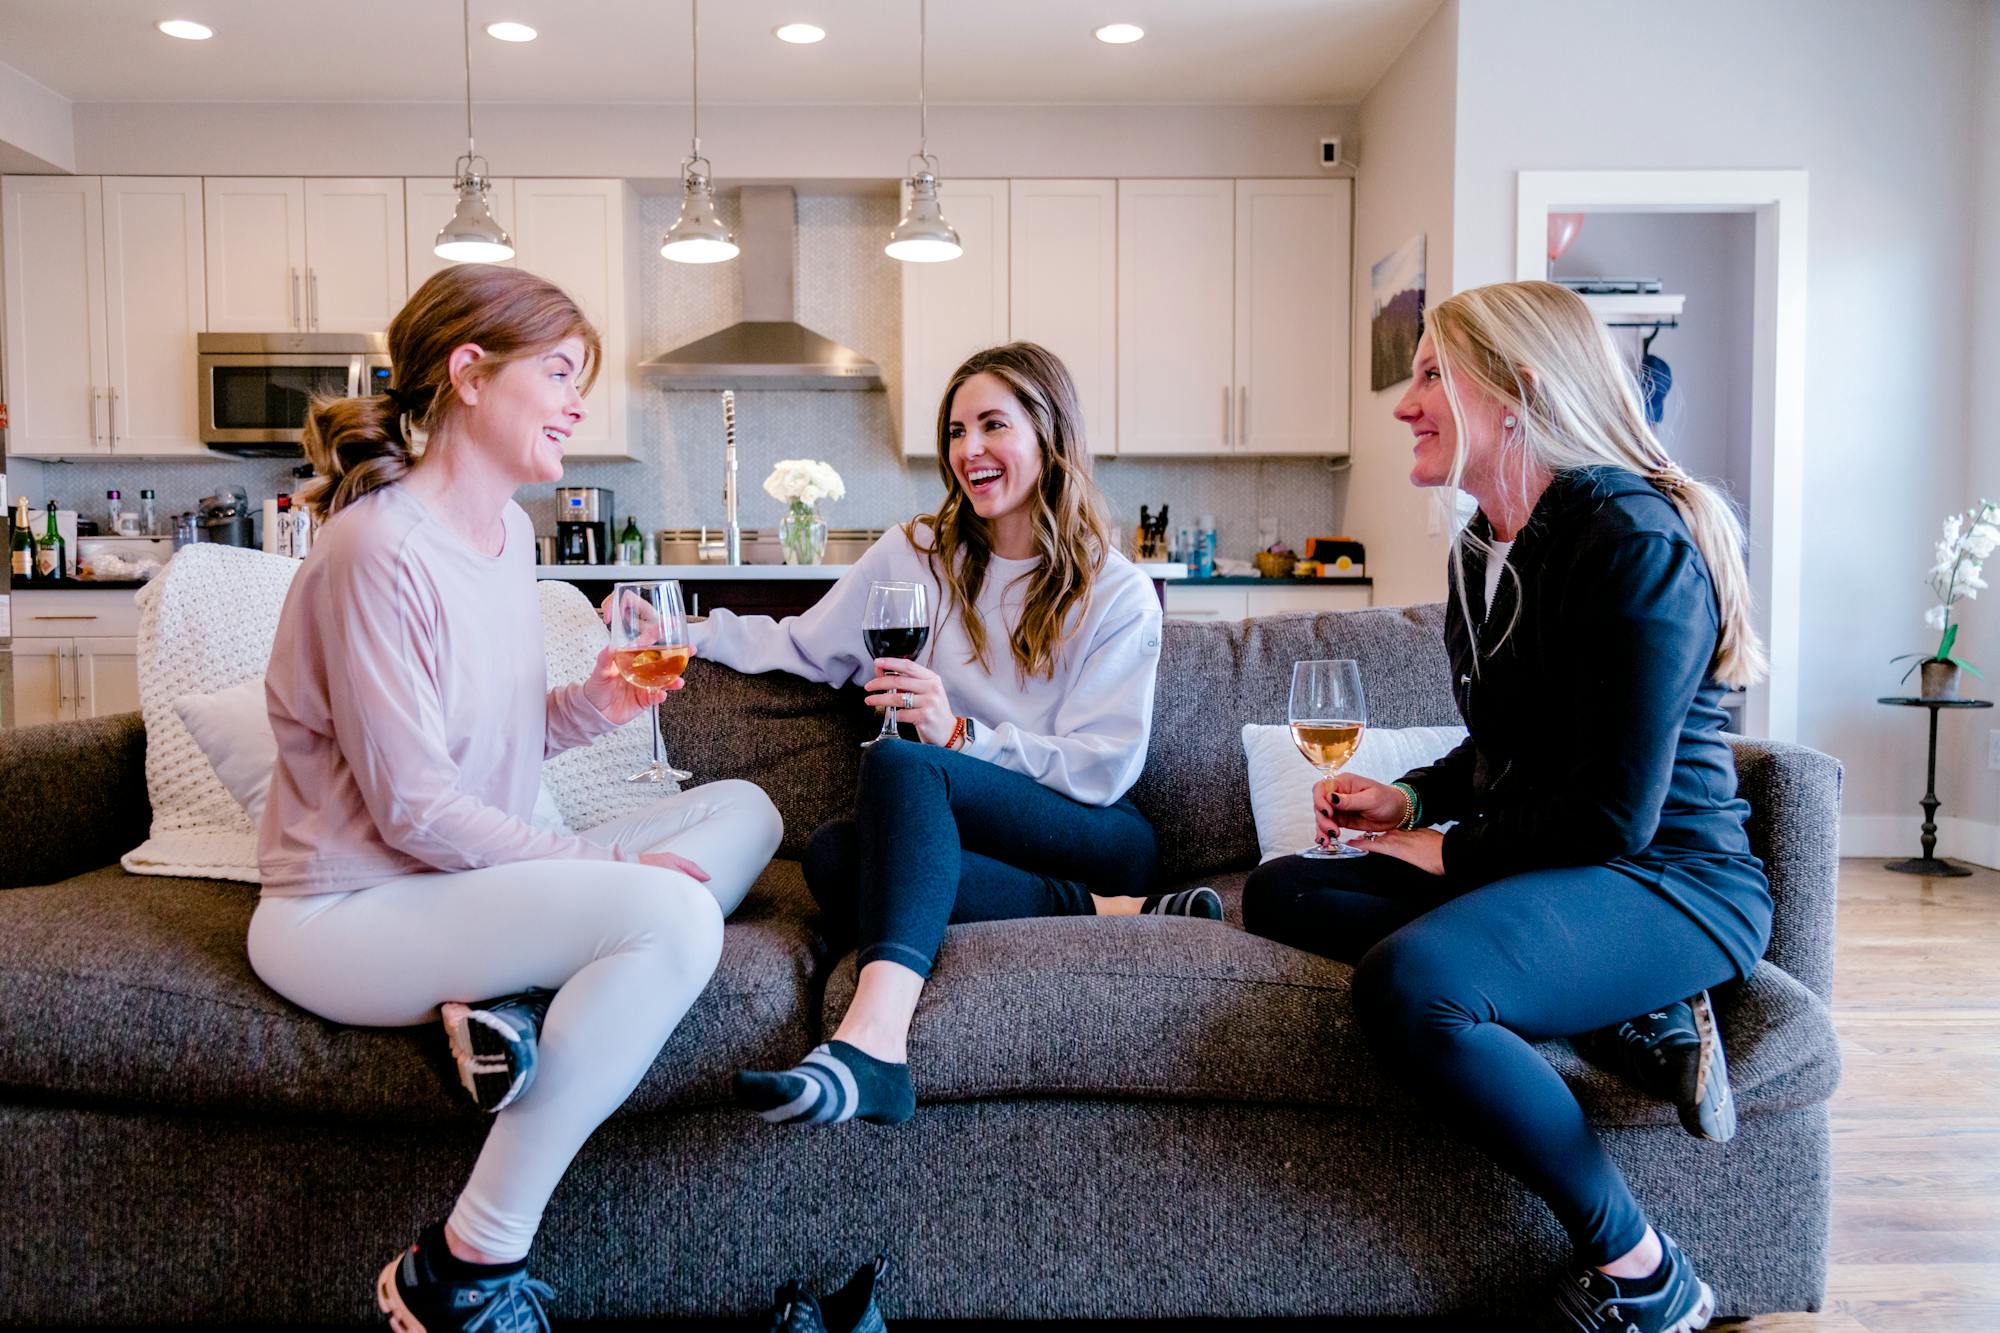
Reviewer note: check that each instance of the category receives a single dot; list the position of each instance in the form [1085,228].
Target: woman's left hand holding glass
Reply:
[917,695]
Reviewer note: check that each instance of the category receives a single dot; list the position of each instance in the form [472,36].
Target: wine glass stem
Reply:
[889,718]
[659,759]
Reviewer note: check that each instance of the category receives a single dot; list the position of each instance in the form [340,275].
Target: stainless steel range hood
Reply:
[769,349]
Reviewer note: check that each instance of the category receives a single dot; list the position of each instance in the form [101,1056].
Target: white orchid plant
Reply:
[803,482]
[1969,538]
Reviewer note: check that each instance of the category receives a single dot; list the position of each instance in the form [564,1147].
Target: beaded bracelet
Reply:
[1413,807]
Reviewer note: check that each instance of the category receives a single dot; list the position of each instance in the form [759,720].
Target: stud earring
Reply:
[1508,422]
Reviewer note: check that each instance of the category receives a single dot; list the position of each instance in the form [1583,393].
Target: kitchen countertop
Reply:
[1288,581]
[814,573]
[79,585]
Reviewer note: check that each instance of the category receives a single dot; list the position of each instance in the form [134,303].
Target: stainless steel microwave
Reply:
[255,387]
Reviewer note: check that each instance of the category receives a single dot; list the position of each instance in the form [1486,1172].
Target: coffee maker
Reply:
[583,525]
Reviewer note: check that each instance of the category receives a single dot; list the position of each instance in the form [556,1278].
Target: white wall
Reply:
[1404,187]
[1708,258]
[1874,101]
[35,129]
[743,142]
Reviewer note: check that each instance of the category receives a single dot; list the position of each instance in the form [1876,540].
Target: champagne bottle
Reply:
[49,556]
[23,543]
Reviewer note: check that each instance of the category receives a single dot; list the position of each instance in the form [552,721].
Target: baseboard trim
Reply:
[1968,840]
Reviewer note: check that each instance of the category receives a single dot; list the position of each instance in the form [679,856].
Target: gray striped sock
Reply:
[835,1082]
[1203,903]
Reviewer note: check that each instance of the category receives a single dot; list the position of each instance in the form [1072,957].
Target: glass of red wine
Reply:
[896,624]
[649,643]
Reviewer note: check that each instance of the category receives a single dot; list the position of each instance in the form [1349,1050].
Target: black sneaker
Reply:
[1674,1299]
[1204,904]
[796,1311]
[852,1309]
[417,1300]
[1674,1054]
[494,1044]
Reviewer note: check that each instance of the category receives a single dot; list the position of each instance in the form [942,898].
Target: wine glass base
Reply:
[660,773]
[1340,851]
[877,740]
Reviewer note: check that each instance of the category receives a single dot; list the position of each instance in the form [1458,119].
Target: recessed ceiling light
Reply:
[799,34]
[511,32]
[1120,34]
[185,29]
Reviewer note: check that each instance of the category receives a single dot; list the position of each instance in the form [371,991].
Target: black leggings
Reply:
[942,838]
[1452,989]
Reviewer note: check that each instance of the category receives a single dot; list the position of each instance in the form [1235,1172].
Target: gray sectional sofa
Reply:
[1119,1118]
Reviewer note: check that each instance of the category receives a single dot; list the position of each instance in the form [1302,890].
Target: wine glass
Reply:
[896,624]
[1327,714]
[649,642]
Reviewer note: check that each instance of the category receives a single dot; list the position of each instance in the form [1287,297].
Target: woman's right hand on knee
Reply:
[1350,801]
[668,861]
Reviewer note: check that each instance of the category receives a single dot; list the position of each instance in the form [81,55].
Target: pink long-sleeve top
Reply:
[411,705]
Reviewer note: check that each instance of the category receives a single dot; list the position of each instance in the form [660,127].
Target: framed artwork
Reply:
[1396,291]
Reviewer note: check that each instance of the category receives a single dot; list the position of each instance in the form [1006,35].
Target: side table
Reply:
[1928,864]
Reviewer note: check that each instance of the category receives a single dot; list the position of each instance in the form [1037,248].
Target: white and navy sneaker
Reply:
[1673,1300]
[1674,1054]
[493,1043]
[418,1300]
[1204,904]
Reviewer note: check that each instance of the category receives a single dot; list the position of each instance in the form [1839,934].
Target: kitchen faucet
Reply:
[732,531]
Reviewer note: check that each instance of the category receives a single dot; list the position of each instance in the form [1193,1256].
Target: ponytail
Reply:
[356,445]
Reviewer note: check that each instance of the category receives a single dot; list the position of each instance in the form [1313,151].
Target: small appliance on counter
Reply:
[583,525]
[1338,557]
[227,519]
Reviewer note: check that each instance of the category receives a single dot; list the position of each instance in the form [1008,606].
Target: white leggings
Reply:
[627,947]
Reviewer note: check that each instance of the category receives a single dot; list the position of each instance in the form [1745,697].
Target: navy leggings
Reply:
[942,838]
[1451,989]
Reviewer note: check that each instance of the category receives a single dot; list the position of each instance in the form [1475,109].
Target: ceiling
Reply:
[595,51]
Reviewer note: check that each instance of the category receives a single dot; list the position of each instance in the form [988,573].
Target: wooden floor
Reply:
[1916,1122]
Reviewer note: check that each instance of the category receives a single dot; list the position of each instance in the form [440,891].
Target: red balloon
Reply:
[1563,228]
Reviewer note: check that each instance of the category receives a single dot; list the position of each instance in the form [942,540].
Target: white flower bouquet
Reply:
[1969,538]
[802,481]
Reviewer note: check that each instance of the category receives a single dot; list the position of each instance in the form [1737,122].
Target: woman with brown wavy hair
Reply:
[1032,708]
[403,861]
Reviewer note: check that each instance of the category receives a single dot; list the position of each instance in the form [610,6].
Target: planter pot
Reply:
[802,532]
[1940,680]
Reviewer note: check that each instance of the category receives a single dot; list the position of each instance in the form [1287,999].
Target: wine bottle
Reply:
[22,543]
[49,556]
[631,546]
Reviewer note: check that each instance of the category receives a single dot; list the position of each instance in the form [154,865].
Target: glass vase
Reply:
[802,532]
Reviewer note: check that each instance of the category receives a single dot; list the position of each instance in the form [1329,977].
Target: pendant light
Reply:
[698,236]
[472,235]
[923,236]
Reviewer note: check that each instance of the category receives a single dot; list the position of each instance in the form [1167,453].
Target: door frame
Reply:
[1778,381]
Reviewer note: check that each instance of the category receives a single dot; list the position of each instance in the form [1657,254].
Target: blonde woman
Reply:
[402,870]
[1597,866]
[1032,708]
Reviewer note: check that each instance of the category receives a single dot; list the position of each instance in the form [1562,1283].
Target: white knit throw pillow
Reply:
[208,622]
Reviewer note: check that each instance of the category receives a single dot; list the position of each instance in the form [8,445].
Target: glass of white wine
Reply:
[649,642]
[1327,714]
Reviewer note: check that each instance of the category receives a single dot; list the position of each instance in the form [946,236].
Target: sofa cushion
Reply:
[1148,1007]
[137,990]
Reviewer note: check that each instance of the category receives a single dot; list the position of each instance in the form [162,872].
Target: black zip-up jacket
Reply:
[1596,726]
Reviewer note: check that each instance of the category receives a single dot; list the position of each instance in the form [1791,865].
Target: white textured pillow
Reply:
[1281,781]
[233,729]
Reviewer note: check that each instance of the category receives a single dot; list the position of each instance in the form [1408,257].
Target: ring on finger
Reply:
[909,700]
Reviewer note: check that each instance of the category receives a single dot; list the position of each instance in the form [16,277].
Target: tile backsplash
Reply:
[848,290]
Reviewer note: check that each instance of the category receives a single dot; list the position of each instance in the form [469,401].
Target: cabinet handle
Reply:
[1243,417]
[62,617]
[296,321]
[63,692]
[113,417]
[93,416]
[1227,438]
[312,286]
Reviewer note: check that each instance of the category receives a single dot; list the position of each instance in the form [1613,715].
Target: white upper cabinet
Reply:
[309,256]
[1176,315]
[1063,281]
[574,233]
[256,242]
[1293,267]
[955,308]
[104,298]
[154,302]
[58,381]
[355,269]
[428,203]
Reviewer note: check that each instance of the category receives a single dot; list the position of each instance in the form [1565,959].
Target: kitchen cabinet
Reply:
[1233,301]
[325,255]
[106,291]
[576,234]
[76,655]
[1187,601]
[1063,288]
[955,308]
[428,203]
